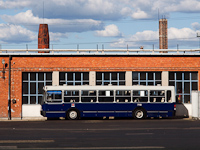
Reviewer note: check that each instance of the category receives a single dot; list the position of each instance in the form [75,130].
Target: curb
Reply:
[25,119]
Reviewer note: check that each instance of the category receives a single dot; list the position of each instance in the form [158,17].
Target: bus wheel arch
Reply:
[139,113]
[73,114]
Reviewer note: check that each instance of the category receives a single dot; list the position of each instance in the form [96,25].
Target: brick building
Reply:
[31,71]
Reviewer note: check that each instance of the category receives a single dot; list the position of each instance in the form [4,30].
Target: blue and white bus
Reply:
[75,102]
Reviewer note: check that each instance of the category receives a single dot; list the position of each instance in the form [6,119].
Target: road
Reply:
[101,134]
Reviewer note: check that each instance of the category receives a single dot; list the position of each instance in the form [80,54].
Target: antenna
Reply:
[43,12]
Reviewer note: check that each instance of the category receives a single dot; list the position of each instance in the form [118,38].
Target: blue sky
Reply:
[88,23]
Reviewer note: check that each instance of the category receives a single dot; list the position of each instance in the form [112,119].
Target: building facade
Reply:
[31,71]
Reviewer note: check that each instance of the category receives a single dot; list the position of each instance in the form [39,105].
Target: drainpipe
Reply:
[9,89]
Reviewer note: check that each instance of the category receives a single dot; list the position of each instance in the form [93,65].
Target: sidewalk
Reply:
[25,119]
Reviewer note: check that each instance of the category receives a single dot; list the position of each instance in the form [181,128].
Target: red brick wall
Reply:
[44,64]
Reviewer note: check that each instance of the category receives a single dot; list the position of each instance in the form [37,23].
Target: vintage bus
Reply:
[139,102]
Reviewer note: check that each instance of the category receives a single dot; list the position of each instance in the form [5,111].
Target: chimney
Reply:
[163,40]
[43,38]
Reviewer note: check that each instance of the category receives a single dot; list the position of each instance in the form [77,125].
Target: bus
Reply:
[139,102]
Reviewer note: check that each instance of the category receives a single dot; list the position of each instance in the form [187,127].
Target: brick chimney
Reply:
[163,39]
[43,38]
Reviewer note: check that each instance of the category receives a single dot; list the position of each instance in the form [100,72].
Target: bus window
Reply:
[88,96]
[71,96]
[123,96]
[169,97]
[140,96]
[106,96]
[54,96]
[157,96]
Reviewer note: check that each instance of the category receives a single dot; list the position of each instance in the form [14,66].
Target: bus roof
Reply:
[87,87]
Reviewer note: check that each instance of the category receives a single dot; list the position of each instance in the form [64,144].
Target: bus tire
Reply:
[72,114]
[139,113]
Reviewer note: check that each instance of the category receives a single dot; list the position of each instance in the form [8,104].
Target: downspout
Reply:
[9,89]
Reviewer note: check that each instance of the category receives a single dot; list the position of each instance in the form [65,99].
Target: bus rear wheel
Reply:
[139,113]
[72,114]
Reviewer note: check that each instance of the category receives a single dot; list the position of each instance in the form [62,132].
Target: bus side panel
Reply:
[53,110]
[105,109]
[159,109]
[87,109]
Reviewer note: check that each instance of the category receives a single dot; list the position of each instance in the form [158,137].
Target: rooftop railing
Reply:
[101,51]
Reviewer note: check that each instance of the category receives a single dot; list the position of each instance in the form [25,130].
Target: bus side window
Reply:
[106,96]
[71,96]
[169,96]
[157,96]
[54,96]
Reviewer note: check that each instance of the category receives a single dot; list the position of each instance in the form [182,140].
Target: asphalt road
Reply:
[101,134]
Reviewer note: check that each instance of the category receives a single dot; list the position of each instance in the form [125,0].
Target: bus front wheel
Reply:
[72,114]
[139,113]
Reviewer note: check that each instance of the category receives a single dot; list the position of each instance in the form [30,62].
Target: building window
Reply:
[74,78]
[114,78]
[32,86]
[146,78]
[184,83]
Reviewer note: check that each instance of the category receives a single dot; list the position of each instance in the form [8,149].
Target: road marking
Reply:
[8,147]
[105,129]
[139,133]
[101,148]
[26,141]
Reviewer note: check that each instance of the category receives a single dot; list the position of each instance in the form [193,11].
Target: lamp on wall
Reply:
[4,66]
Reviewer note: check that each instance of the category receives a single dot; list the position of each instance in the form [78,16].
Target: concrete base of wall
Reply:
[31,111]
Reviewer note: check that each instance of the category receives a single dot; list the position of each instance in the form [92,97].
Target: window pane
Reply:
[106,76]
[172,83]
[69,76]
[171,76]
[158,82]
[194,76]
[179,87]
[121,83]
[150,83]
[122,76]
[40,88]
[150,76]
[194,86]
[33,100]
[78,76]
[25,76]
[178,76]
[157,76]
[135,76]
[187,87]
[49,76]
[187,99]
[48,83]
[85,76]
[33,76]
[143,76]
[114,76]
[186,76]
[99,76]
[142,83]
[33,88]
[135,83]
[25,88]
[39,99]
[25,100]
[61,76]
[41,76]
